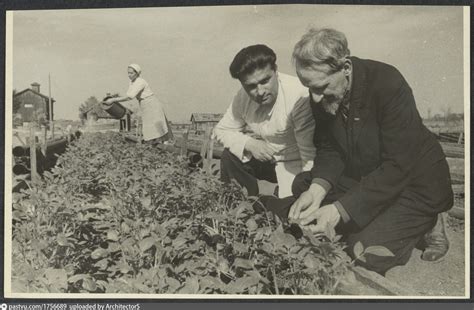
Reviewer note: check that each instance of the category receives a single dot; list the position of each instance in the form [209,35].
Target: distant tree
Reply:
[91,102]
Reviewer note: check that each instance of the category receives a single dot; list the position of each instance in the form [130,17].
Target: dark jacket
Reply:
[384,146]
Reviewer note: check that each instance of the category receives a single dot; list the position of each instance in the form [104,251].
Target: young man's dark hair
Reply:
[251,58]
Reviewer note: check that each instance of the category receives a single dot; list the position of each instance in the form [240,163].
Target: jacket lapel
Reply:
[339,132]
[358,110]
[333,124]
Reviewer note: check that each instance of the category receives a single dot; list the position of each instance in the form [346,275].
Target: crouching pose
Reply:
[267,131]
[379,176]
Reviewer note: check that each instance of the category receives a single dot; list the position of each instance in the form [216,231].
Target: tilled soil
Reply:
[444,278]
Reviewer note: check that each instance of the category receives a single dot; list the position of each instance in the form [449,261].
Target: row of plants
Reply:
[116,217]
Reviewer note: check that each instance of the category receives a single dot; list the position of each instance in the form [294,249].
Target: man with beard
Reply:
[379,177]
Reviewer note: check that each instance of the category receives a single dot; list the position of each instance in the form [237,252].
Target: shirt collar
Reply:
[280,96]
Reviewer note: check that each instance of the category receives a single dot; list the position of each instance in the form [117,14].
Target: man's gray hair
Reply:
[321,46]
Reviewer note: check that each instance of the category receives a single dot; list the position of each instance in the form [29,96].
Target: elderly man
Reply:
[379,176]
[268,129]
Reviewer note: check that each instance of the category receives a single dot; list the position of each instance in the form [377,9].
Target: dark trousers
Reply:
[398,228]
[246,174]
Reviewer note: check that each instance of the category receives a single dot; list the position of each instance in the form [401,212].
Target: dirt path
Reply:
[445,278]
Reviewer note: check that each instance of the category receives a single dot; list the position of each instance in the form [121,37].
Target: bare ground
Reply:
[444,278]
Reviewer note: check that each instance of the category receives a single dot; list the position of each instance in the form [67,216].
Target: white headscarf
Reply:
[136,68]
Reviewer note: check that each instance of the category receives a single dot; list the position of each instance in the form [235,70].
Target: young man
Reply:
[273,106]
[379,174]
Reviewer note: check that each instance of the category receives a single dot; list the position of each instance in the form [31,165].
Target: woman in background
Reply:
[155,127]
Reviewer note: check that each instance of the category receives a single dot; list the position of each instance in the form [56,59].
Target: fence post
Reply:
[460,137]
[33,163]
[205,148]
[44,140]
[210,151]
[204,145]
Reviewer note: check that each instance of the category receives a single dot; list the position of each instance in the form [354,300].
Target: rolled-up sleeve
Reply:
[303,126]
[229,129]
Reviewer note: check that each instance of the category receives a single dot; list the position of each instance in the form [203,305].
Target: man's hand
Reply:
[259,149]
[309,200]
[326,218]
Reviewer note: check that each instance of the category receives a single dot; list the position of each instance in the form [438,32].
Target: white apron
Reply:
[154,122]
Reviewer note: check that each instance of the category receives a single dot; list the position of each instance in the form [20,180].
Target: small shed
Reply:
[179,126]
[33,105]
[95,113]
[201,121]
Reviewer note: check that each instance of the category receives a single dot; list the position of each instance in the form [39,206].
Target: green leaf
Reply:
[113,247]
[358,249]
[99,253]
[242,284]
[89,285]
[240,247]
[141,287]
[146,243]
[39,244]
[125,228]
[178,242]
[257,275]
[56,277]
[243,263]
[146,202]
[113,235]
[77,277]
[240,211]
[279,238]
[310,262]
[124,268]
[102,264]
[251,225]
[267,247]
[223,265]
[172,283]
[62,239]
[191,286]
[210,282]
[378,250]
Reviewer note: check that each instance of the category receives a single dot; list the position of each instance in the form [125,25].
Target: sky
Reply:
[185,52]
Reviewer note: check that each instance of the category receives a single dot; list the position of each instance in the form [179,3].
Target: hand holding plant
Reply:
[326,218]
[310,199]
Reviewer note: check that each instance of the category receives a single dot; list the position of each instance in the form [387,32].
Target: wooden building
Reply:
[95,113]
[33,105]
[201,121]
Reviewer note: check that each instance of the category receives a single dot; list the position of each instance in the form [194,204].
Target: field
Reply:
[120,217]
[116,217]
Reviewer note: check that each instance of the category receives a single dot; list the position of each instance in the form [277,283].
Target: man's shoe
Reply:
[436,241]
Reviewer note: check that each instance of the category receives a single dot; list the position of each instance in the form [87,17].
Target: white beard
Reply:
[331,108]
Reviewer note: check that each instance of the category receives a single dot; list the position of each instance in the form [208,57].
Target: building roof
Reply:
[206,117]
[34,92]
[97,109]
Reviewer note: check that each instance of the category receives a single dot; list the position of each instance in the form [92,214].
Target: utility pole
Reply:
[51,122]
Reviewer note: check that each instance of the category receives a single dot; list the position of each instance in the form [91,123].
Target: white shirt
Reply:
[287,125]
[139,89]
